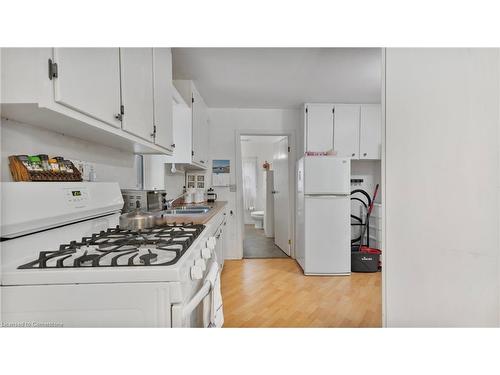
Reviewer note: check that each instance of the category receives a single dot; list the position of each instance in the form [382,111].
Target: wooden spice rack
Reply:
[21,173]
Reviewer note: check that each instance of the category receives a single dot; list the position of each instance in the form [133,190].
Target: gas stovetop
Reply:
[159,246]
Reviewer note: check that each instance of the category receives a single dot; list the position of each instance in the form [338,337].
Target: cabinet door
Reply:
[162,70]
[319,127]
[370,138]
[346,130]
[88,81]
[200,129]
[137,91]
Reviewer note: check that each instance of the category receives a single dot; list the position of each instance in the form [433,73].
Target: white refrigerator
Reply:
[323,235]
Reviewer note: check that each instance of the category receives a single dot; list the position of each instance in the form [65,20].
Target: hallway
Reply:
[257,245]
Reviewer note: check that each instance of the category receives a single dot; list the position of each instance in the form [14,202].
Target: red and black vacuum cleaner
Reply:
[364,258]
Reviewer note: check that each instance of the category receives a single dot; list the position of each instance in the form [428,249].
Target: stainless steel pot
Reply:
[137,220]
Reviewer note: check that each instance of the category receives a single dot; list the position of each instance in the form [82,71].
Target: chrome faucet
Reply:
[170,202]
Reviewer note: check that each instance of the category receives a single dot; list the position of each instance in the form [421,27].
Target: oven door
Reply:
[197,312]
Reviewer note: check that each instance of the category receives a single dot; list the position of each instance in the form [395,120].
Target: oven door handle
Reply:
[205,290]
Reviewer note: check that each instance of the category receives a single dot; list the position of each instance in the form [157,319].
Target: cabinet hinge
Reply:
[289,242]
[192,153]
[52,69]
[288,148]
[333,110]
[122,110]
[153,134]
[306,109]
[192,99]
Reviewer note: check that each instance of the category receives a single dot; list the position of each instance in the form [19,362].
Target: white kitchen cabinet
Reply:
[162,85]
[200,129]
[71,91]
[88,81]
[199,124]
[352,130]
[370,137]
[346,130]
[137,91]
[319,127]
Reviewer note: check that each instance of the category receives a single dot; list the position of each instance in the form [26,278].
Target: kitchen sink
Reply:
[186,211]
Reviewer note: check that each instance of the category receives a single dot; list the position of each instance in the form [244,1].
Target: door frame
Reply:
[291,182]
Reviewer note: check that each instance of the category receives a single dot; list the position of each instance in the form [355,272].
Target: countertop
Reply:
[216,206]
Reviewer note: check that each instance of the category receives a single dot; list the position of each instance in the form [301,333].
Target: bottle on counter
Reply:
[36,163]
[61,163]
[44,159]
[54,165]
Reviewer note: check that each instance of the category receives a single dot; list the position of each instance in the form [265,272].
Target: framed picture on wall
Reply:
[220,172]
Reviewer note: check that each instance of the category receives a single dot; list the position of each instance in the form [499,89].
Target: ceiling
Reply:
[280,77]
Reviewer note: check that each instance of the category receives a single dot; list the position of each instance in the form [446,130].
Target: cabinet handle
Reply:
[333,136]
[364,154]
[118,116]
[202,161]
[353,154]
[172,145]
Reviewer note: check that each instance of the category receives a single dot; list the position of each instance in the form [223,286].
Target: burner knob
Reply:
[206,253]
[211,243]
[200,263]
[196,272]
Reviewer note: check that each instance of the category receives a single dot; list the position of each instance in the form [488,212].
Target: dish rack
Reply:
[21,173]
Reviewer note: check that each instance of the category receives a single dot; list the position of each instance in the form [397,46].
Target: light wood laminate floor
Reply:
[275,293]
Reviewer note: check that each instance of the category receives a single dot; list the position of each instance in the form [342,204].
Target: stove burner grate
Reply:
[147,247]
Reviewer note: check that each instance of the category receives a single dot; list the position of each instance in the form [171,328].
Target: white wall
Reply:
[111,164]
[262,151]
[371,173]
[224,125]
[441,187]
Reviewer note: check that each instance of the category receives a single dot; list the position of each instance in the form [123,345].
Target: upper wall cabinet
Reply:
[319,127]
[88,81]
[352,130]
[137,91]
[199,123]
[370,138]
[200,129]
[346,130]
[102,95]
[162,82]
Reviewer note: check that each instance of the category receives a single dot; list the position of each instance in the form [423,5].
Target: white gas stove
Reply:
[64,261]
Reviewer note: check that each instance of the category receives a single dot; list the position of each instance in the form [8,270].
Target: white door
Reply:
[88,81]
[346,130]
[370,137]
[327,235]
[137,91]
[162,70]
[281,195]
[319,127]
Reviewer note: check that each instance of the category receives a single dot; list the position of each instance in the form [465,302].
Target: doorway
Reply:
[266,198]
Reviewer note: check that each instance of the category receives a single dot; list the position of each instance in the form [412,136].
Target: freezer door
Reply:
[327,235]
[327,175]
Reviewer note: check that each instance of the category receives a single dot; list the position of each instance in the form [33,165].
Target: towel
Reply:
[217,313]
[213,316]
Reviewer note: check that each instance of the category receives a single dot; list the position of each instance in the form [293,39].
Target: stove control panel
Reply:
[77,197]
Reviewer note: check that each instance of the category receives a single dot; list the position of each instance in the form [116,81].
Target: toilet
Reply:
[258,218]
